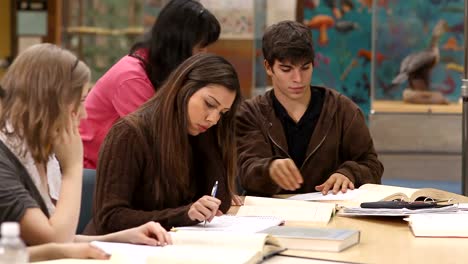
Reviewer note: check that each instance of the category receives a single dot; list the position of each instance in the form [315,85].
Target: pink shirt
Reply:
[120,91]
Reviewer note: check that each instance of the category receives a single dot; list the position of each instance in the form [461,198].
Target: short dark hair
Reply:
[288,41]
[180,26]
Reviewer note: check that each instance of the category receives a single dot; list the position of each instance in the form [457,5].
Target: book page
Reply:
[205,255]
[262,201]
[289,210]
[79,261]
[140,254]
[438,195]
[238,224]
[220,239]
[136,253]
[377,192]
[198,246]
[313,214]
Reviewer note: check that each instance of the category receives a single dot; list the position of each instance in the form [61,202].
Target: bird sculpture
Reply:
[416,67]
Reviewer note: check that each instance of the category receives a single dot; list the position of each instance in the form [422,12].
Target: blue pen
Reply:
[213,194]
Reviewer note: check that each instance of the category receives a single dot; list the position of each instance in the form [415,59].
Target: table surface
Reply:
[390,240]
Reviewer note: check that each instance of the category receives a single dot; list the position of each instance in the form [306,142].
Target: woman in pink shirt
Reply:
[183,28]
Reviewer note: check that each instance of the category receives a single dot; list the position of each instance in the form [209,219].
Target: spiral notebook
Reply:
[238,224]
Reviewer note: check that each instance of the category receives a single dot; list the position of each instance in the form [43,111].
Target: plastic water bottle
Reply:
[12,248]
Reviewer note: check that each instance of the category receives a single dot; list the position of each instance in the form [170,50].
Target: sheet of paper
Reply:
[289,210]
[194,247]
[300,214]
[238,224]
[463,206]
[318,196]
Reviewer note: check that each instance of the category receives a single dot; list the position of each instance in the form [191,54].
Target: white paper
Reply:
[439,225]
[238,224]
[288,210]
[358,211]
[137,253]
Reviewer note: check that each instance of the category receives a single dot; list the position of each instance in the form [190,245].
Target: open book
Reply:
[308,238]
[289,210]
[199,247]
[376,192]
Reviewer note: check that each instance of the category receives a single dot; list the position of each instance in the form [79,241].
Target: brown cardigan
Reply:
[124,199]
[341,143]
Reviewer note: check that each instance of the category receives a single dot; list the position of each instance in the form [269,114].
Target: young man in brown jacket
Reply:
[300,138]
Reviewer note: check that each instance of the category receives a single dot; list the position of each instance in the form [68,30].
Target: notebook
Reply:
[238,224]
[199,247]
[317,239]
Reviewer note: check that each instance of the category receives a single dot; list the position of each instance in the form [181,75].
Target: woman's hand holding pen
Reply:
[205,209]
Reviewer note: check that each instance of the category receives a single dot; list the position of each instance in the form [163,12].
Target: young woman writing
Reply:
[161,162]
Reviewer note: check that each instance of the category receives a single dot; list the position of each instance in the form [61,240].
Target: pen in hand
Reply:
[213,194]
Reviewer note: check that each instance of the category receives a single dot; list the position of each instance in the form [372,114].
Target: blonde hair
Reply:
[39,87]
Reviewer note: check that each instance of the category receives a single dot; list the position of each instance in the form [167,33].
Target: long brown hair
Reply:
[37,90]
[167,116]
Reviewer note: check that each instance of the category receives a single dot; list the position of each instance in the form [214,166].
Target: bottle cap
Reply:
[10,229]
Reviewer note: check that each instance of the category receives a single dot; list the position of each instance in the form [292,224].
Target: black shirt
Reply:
[298,134]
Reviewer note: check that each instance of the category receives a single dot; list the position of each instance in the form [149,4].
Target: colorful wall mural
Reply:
[342,36]
[342,32]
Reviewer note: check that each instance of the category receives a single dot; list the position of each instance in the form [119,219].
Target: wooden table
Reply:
[389,240]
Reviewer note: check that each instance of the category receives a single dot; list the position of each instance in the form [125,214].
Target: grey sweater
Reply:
[17,190]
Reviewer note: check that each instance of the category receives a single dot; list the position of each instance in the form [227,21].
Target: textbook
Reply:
[359,211]
[319,239]
[289,210]
[199,247]
[376,192]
